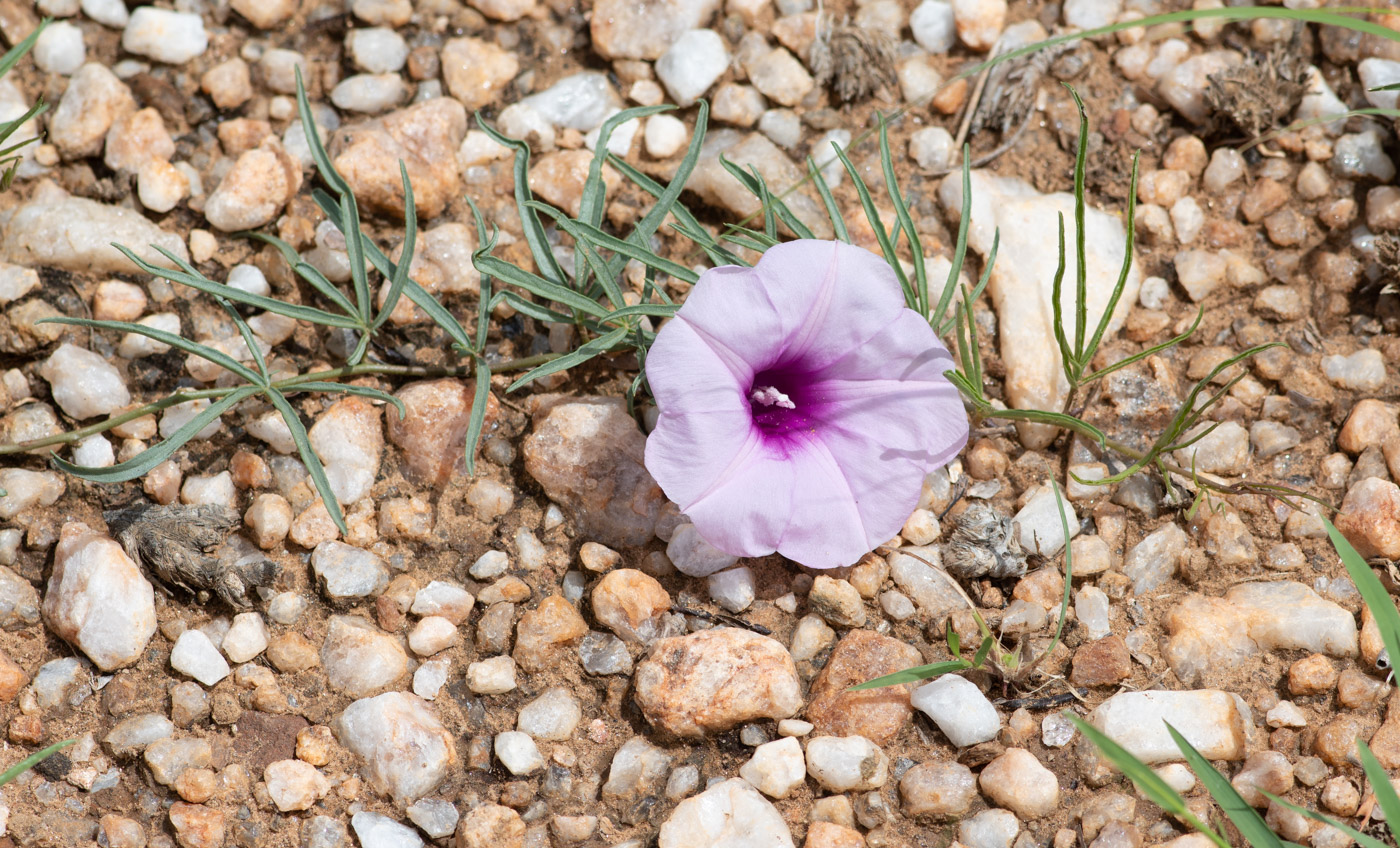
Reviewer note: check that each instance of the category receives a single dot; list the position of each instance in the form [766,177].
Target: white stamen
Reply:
[770,396]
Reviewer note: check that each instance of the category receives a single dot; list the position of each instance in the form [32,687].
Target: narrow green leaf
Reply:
[34,759]
[484,301]
[599,238]
[355,250]
[8,128]
[314,468]
[480,401]
[1069,570]
[981,282]
[530,308]
[1155,349]
[1361,838]
[654,310]
[1250,824]
[313,140]
[1107,317]
[1381,786]
[306,271]
[1081,246]
[1152,787]
[602,272]
[579,355]
[952,638]
[668,199]
[753,181]
[982,650]
[14,54]
[912,675]
[160,451]
[873,215]
[1373,592]
[838,223]
[201,283]
[906,221]
[250,341]
[349,389]
[1067,358]
[399,279]
[217,357]
[960,246]
[529,219]
[509,273]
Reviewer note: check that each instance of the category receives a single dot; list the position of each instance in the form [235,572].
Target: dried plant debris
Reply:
[984,544]
[1260,91]
[190,547]
[855,61]
[1008,100]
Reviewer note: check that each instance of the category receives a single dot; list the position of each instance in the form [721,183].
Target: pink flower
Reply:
[801,405]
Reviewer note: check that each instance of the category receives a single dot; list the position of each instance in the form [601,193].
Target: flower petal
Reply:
[833,297]
[745,511]
[687,373]
[730,309]
[889,417]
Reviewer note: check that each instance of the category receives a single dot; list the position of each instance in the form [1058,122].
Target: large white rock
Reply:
[692,65]
[1289,616]
[1215,723]
[163,35]
[407,751]
[75,234]
[84,384]
[1022,281]
[97,598]
[731,814]
[349,439]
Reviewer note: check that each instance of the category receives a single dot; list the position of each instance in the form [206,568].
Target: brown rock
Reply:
[264,739]
[424,137]
[291,652]
[940,790]
[253,193]
[1311,675]
[1357,690]
[1370,518]
[136,138]
[433,434]
[631,604]
[197,826]
[1102,663]
[1385,744]
[837,601]
[1371,422]
[644,29]
[1336,741]
[26,730]
[491,826]
[876,714]
[716,679]
[587,454]
[476,71]
[1044,587]
[559,178]
[545,631]
[1266,771]
[828,835]
[1263,199]
[12,678]
[122,832]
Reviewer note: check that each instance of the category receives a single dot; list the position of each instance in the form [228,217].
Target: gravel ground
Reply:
[521,658]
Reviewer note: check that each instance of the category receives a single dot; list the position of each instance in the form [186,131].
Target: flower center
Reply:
[779,405]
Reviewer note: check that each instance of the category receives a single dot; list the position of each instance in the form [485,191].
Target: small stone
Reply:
[939,790]
[1213,722]
[1104,662]
[406,750]
[518,753]
[1363,371]
[1370,518]
[959,709]
[431,635]
[196,826]
[733,589]
[989,829]
[837,601]
[729,813]
[714,680]
[131,736]
[346,573]
[359,658]
[378,831]
[622,30]
[196,656]
[169,758]
[776,768]
[295,785]
[59,49]
[552,716]
[1266,771]
[491,826]
[545,632]
[84,384]
[603,653]
[163,35]
[492,676]
[876,714]
[1155,560]
[436,817]
[97,599]
[254,192]
[781,77]
[1017,781]
[692,64]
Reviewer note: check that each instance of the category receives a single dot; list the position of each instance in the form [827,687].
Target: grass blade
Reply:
[34,759]
[481,399]
[1362,839]
[577,356]
[598,238]
[350,389]
[1152,787]
[160,451]
[960,246]
[306,271]
[508,273]
[838,224]
[314,468]
[1381,786]
[872,214]
[1081,246]
[1155,349]
[1107,317]
[913,675]
[1250,824]
[667,199]
[602,271]
[410,242]
[901,210]
[217,357]
[1373,592]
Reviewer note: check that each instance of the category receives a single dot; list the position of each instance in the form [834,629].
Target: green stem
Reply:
[288,385]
